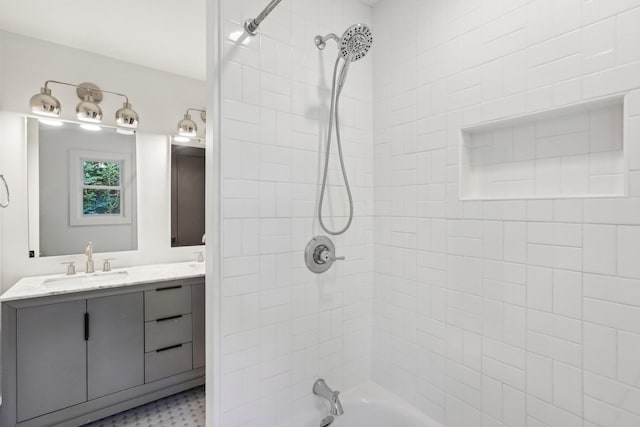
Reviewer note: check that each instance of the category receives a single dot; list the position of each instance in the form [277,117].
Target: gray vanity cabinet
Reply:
[115,337]
[71,359]
[51,358]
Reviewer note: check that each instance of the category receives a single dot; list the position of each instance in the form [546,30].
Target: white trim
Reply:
[76,187]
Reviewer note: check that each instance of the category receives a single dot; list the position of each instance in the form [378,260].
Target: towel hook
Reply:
[6,187]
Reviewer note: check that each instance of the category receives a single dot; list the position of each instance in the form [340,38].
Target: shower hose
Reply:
[336,91]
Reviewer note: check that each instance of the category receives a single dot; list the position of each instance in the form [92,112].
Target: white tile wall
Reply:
[520,312]
[284,326]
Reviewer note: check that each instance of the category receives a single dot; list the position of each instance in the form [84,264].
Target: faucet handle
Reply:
[106,265]
[71,267]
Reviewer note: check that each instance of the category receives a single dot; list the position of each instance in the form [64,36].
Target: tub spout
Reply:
[320,388]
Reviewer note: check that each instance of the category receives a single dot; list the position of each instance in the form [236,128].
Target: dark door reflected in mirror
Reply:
[187,195]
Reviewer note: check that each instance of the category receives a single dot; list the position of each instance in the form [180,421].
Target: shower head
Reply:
[356,42]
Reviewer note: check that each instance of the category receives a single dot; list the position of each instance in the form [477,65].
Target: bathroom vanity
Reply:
[78,348]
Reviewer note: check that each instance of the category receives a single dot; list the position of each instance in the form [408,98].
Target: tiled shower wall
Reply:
[502,313]
[284,326]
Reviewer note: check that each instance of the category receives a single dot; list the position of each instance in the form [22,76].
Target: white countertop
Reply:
[57,284]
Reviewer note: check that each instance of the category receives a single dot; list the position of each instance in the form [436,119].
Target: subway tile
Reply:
[628,249]
[551,415]
[567,210]
[619,316]
[599,251]
[554,348]
[610,81]
[627,36]
[612,392]
[601,413]
[539,210]
[514,406]
[628,365]
[515,236]
[503,372]
[540,377]
[612,211]
[554,49]
[540,288]
[600,350]
[492,239]
[612,289]
[492,397]
[497,350]
[556,326]
[554,234]
[567,387]
[567,293]
[599,45]
[567,258]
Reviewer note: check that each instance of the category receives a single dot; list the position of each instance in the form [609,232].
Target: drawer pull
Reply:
[164,319]
[86,326]
[160,350]
[168,288]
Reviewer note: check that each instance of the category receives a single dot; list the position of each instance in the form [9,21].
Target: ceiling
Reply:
[167,35]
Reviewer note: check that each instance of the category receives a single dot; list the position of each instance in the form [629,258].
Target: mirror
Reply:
[82,187]
[187,195]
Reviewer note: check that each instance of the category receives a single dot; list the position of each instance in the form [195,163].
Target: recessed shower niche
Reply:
[576,151]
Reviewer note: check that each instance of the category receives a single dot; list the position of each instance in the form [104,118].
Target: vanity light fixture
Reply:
[187,127]
[45,104]
[88,109]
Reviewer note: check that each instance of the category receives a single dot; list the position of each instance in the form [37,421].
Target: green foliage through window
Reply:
[102,173]
[102,192]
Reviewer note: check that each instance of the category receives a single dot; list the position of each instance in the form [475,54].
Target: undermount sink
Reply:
[85,279]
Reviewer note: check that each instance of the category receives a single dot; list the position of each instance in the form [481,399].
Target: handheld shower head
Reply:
[356,42]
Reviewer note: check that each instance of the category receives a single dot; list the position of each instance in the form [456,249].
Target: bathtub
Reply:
[368,405]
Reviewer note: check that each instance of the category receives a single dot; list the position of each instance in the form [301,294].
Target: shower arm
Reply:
[321,42]
[251,25]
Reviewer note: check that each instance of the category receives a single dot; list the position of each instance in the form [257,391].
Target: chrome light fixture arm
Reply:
[92,91]
[203,113]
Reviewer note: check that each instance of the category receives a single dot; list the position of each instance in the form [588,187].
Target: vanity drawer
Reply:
[166,362]
[166,332]
[167,301]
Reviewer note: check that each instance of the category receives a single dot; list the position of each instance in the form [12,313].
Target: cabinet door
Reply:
[51,358]
[198,315]
[115,349]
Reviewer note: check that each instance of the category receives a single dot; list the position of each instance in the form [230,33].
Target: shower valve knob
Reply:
[325,255]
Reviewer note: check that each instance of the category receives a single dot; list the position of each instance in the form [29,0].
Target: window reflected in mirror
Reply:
[187,195]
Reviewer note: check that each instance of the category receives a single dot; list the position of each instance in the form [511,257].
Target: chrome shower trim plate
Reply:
[319,254]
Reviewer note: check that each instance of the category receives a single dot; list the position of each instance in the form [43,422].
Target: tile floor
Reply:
[182,409]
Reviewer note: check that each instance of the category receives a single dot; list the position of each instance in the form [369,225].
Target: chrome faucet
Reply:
[89,253]
[320,388]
